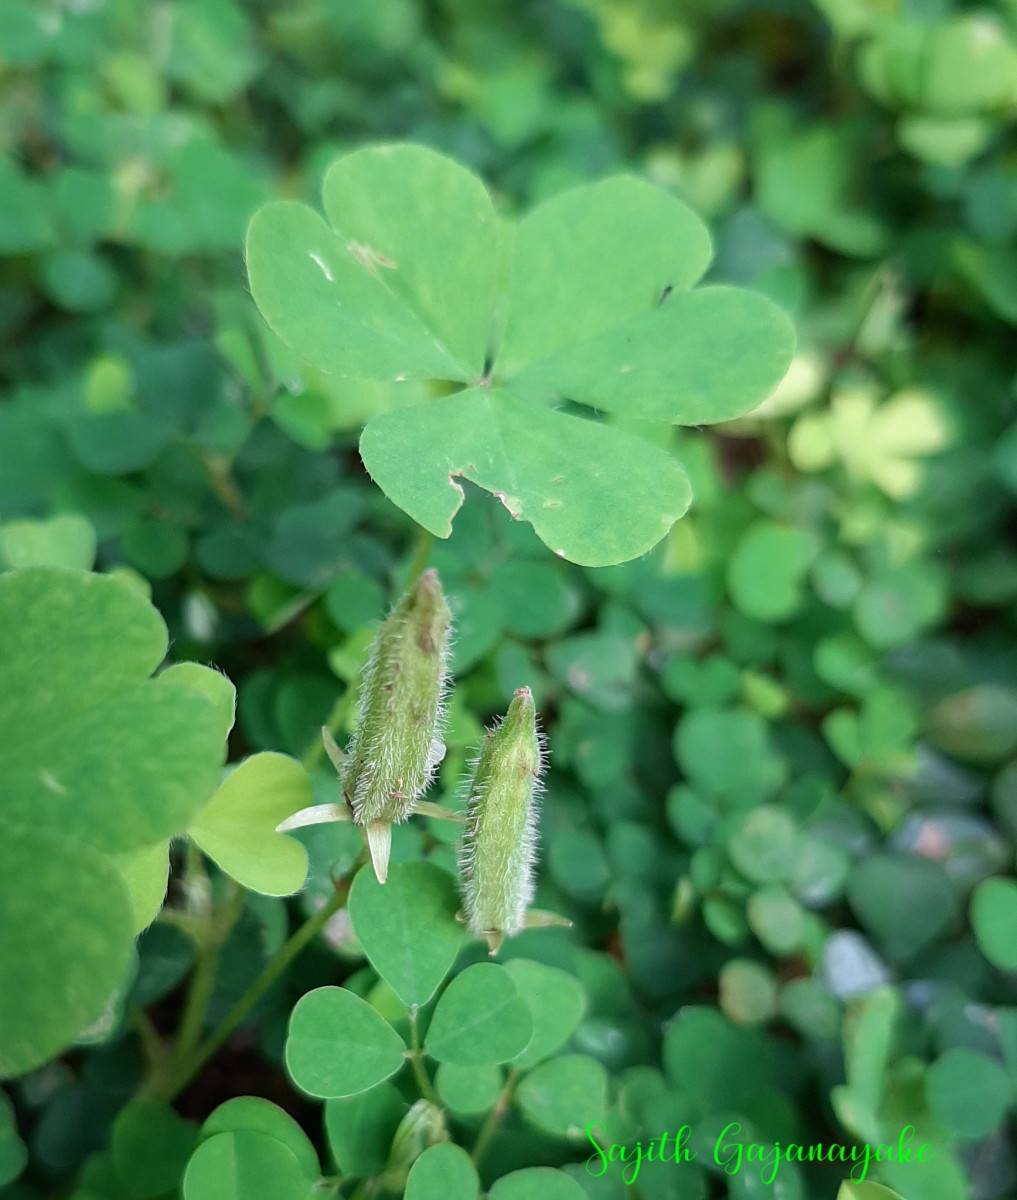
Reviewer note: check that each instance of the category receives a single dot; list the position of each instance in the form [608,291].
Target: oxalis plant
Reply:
[543,346]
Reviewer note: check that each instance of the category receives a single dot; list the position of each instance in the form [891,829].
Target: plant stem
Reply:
[494,1118]
[416,1057]
[425,540]
[209,924]
[199,993]
[186,1070]
[220,478]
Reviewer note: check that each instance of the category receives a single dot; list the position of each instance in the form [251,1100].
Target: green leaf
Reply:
[536,1183]
[244,1165]
[117,443]
[728,752]
[24,217]
[897,603]
[579,271]
[210,683]
[595,494]
[338,1045]
[13,1152]
[434,226]
[468,1090]
[443,1172]
[715,1062]
[699,358]
[775,917]
[407,927]
[978,724]
[866,1191]
[66,541]
[600,667]
[869,1030]
[237,826]
[536,600]
[748,992]
[585,299]
[557,1004]
[150,1145]
[562,1096]
[767,569]
[145,873]
[87,743]
[994,918]
[68,924]
[807,182]
[262,1116]
[941,1178]
[765,846]
[400,285]
[969,1092]
[905,902]
[480,1018]
[360,1128]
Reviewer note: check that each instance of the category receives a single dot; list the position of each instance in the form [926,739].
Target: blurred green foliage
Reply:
[782,800]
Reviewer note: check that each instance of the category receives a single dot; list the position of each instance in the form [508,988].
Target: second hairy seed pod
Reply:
[397,743]
[498,850]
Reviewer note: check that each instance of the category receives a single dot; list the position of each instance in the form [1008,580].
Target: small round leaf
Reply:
[443,1172]
[244,1165]
[968,1092]
[262,1116]
[407,927]
[562,1096]
[338,1045]
[994,917]
[480,1018]
[536,1183]
[557,1004]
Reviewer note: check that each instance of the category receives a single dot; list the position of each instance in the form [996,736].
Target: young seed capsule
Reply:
[397,744]
[498,849]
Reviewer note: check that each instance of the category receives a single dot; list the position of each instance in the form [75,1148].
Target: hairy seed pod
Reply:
[397,744]
[498,849]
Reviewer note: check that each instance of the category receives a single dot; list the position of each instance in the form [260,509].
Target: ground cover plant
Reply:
[507,600]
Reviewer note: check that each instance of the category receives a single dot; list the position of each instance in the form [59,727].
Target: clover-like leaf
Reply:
[994,919]
[88,744]
[968,1092]
[593,493]
[443,1172]
[238,825]
[150,1146]
[359,1129]
[480,1018]
[866,1190]
[586,299]
[407,927]
[67,925]
[338,1045]
[262,1116]
[557,1004]
[536,1183]
[64,541]
[146,875]
[562,1096]
[13,1152]
[244,1165]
